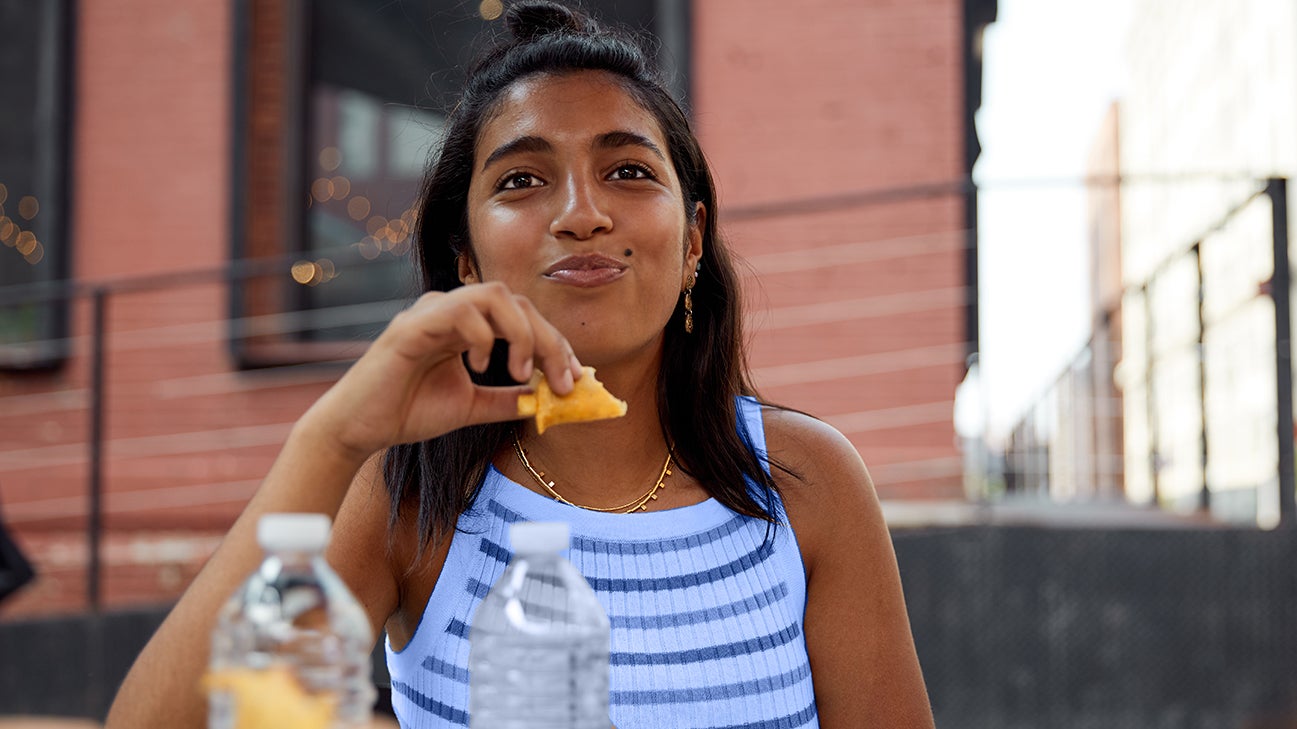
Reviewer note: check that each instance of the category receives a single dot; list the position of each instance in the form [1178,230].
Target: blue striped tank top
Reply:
[706,610]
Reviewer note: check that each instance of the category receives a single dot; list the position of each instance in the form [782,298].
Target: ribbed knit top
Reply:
[706,607]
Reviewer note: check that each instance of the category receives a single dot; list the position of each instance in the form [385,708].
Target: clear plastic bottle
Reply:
[539,644]
[295,611]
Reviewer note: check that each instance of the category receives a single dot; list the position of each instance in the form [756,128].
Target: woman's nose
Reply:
[582,211]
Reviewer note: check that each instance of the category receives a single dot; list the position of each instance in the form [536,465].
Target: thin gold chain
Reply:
[639,504]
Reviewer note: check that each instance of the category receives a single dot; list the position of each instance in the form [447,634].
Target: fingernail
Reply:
[567,380]
[526,369]
[576,366]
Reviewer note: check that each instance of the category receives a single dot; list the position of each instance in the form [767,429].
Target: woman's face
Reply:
[575,204]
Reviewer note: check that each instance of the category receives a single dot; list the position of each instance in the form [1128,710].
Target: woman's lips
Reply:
[586,270]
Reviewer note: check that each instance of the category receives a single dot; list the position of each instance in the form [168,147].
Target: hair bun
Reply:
[532,19]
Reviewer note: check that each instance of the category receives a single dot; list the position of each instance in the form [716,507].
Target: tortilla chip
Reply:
[271,698]
[588,401]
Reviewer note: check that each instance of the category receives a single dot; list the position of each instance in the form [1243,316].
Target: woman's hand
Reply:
[411,384]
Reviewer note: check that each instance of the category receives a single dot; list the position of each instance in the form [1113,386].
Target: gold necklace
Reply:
[640,504]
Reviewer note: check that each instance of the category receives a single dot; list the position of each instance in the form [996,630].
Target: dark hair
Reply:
[701,372]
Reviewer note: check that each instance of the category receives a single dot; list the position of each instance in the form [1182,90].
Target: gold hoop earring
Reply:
[689,307]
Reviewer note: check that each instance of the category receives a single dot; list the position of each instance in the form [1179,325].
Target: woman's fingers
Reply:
[476,334]
[489,311]
[557,360]
[531,339]
[472,318]
[508,314]
[494,404]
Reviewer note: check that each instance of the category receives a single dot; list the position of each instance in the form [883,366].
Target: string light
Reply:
[28,207]
[358,208]
[303,272]
[330,158]
[399,229]
[12,234]
[322,189]
[26,242]
[383,234]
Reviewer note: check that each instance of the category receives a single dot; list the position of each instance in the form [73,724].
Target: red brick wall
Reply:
[187,438]
[152,141]
[824,98]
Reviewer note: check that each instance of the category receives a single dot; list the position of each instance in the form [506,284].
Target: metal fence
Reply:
[156,360]
[1182,396]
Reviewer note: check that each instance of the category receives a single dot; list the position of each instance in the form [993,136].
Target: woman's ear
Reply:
[466,270]
[694,239]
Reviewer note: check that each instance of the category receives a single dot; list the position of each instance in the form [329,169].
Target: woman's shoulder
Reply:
[812,448]
[824,483]
[379,558]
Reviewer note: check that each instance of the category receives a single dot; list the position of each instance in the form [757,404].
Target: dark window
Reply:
[376,77]
[33,141]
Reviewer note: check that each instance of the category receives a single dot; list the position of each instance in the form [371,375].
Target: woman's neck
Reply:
[605,463]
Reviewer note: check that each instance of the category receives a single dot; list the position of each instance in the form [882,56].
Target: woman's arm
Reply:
[862,655]
[161,689]
[409,386]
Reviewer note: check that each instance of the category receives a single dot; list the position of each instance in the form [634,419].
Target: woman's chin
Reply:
[614,350]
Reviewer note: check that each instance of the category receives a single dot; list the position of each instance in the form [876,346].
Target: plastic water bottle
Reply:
[295,612]
[538,655]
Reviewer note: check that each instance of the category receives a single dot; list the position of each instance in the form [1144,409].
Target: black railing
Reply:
[100,295]
[1280,291]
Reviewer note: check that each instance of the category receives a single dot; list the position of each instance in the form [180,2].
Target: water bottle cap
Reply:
[539,536]
[293,532]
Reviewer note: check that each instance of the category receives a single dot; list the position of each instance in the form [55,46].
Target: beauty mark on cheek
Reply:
[628,253]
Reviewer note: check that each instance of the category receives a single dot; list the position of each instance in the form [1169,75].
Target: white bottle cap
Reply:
[293,532]
[539,536]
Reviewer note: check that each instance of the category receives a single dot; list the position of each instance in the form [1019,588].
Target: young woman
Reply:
[571,214]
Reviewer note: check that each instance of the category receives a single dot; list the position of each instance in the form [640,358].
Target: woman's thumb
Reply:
[495,404]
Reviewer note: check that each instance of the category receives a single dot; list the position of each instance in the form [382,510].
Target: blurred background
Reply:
[1030,256]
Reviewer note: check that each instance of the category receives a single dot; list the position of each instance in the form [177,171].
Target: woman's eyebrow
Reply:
[518,146]
[607,140]
[621,138]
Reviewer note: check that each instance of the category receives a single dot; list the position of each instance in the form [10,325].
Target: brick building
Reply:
[206,170]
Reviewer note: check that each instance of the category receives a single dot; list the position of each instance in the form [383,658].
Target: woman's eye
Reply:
[632,172]
[519,181]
